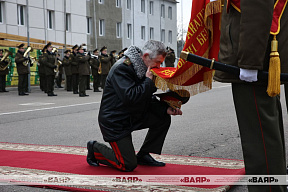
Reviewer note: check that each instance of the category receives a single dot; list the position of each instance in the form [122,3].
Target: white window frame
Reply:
[151,7]
[170,37]
[143,6]
[151,33]
[101,27]
[118,29]
[162,10]
[143,32]
[118,3]
[128,4]
[50,19]
[163,35]
[101,1]
[89,25]
[170,12]
[21,17]
[68,22]
[129,31]
[1,12]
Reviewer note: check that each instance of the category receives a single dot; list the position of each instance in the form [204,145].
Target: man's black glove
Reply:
[55,67]
[26,58]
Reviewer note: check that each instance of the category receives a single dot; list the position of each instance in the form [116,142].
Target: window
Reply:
[1,12]
[50,19]
[151,8]
[143,32]
[118,30]
[143,6]
[21,15]
[170,37]
[89,25]
[129,4]
[129,31]
[101,27]
[101,1]
[163,11]
[170,12]
[118,3]
[163,36]
[68,22]
[151,33]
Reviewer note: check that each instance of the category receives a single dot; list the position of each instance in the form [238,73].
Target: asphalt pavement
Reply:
[207,128]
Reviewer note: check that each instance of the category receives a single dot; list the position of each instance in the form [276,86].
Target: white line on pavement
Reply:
[41,109]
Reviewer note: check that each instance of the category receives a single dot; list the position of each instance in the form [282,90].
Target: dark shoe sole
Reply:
[90,154]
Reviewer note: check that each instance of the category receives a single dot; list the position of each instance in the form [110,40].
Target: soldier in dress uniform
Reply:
[41,71]
[50,62]
[94,63]
[170,57]
[67,68]
[105,61]
[74,69]
[84,71]
[22,70]
[113,57]
[4,70]
[245,42]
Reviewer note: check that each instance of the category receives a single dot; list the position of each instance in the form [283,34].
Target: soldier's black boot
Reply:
[91,160]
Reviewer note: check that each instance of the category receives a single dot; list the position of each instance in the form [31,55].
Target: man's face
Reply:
[81,51]
[96,53]
[22,49]
[153,62]
[104,52]
[75,50]
[1,53]
[67,54]
[50,48]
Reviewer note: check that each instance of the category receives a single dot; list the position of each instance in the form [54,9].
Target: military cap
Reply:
[95,50]
[175,99]
[114,51]
[20,46]
[67,51]
[75,47]
[48,45]
[103,48]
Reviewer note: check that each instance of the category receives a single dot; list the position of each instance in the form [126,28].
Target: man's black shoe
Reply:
[22,94]
[75,92]
[149,160]
[97,90]
[5,91]
[52,94]
[86,95]
[82,95]
[91,160]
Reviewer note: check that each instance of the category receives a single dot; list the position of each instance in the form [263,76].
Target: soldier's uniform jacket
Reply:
[94,63]
[3,64]
[67,66]
[60,67]
[83,62]
[245,38]
[105,64]
[19,60]
[74,63]
[169,60]
[41,66]
[49,63]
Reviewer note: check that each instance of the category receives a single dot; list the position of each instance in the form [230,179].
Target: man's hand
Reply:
[149,74]
[171,111]
[248,75]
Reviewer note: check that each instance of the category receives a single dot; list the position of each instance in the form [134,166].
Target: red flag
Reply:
[202,39]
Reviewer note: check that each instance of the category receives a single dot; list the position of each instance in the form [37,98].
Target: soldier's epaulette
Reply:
[127,61]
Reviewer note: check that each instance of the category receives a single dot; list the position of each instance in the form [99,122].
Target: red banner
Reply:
[202,39]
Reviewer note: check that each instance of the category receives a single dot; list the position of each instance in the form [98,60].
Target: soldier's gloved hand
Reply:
[248,75]
[55,66]
[26,58]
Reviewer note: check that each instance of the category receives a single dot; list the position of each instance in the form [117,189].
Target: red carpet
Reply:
[19,159]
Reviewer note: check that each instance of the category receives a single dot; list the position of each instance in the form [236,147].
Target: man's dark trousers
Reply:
[22,83]
[75,82]
[261,128]
[122,155]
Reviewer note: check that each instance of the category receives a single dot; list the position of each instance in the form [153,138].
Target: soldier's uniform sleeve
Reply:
[19,58]
[255,24]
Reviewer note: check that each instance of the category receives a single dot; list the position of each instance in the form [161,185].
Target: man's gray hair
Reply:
[154,48]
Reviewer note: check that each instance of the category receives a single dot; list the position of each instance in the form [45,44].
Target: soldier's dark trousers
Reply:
[261,129]
[69,82]
[59,80]
[2,83]
[22,83]
[50,83]
[75,82]
[88,82]
[103,80]
[96,81]
[43,82]
[82,84]
[122,155]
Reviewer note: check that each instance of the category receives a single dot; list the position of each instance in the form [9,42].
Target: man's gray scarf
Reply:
[134,54]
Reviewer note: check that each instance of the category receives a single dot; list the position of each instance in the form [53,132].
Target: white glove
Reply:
[248,75]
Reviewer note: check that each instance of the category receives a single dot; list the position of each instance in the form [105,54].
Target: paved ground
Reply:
[207,128]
